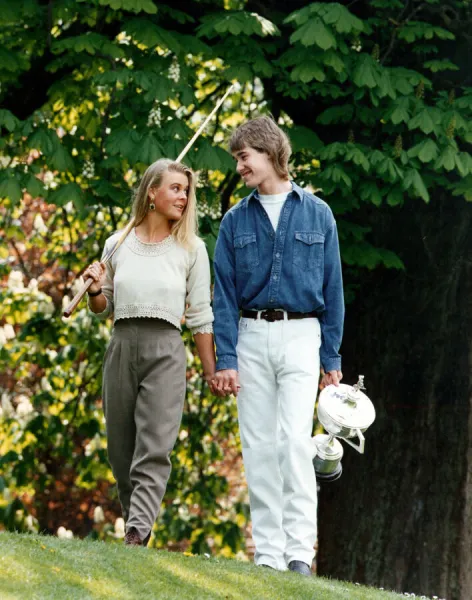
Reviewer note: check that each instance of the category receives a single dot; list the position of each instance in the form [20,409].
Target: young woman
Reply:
[159,273]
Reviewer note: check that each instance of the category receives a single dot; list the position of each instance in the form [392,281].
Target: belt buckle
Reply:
[269,315]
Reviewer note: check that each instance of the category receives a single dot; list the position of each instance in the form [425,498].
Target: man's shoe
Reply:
[297,566]
[132,537]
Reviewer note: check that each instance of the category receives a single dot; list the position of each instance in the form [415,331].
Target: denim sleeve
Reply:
[225,303]
[332,320]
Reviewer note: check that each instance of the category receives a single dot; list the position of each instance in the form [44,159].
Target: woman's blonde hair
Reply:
[264,135]
[185,229]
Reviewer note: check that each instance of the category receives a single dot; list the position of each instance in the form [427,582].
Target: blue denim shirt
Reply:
[295,268]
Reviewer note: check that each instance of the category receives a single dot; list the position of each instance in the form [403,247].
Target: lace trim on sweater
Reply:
[136,311]
[208,328]
[149,249]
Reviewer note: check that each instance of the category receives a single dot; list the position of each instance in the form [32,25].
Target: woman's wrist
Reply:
[94,294]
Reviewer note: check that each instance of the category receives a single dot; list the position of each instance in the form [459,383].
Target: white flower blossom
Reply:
[33,285]
[155,117]
[119,528]
[9,331]
[78,283]
[98,515]
[23,406]
[45,385]
[183,435]
[100,217]
[65,534]
[3,337]
[39,225]
[88,170]
[174,70]
[52,354]
[7,408]
[15,281]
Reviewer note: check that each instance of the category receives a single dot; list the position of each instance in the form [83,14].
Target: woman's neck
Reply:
[153,228]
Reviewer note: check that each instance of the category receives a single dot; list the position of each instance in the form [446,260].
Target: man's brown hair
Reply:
[264,135]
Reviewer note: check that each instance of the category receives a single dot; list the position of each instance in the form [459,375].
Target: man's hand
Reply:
[225,382]
[332,377]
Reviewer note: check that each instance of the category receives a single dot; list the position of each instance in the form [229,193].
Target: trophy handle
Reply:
[360,447]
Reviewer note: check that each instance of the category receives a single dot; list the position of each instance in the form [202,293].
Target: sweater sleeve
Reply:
[107,287]
[199,315]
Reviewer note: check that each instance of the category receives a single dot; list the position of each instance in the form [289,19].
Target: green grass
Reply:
[42,567]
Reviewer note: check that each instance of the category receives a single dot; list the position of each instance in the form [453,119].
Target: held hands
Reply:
[332,377]
[224,382]
[95,271]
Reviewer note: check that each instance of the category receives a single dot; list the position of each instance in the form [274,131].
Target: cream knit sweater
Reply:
[161,280]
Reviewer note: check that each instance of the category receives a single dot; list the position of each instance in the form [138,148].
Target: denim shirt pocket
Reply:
[308,250]
[246,251]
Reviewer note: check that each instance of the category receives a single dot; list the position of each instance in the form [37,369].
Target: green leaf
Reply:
[34,186]
[414,183]
[123,142]
[307,71]
[136,6]
[10,188]
[339,16]
[440,65]
[42,140]
[8,120]
[447,159]
[414,30]
[9,61]
[426,120]
[70,192]
[303,138]
[206,157]
[395,197]
[147,33]
[149,150]
[369,192]
[336,114]
[236,23]
[426,151]
[61,159]
[365,73]
[463,188]
[399,112]
[314,32]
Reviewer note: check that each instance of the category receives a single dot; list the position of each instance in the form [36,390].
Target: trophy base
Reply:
[328,477]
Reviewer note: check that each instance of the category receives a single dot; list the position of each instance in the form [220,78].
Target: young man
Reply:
[277,266]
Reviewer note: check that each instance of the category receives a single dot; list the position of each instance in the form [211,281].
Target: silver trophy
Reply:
[345,412]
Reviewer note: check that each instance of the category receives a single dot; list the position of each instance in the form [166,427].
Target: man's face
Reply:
[253,166]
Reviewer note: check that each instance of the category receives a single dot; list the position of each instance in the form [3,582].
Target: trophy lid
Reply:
[347,405]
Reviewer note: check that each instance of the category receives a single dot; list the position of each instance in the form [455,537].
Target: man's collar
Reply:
[295,188]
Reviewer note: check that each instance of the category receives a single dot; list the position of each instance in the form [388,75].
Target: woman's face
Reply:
[170,197]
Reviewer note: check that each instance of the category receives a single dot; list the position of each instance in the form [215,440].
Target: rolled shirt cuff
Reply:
[227,361]
[331,364]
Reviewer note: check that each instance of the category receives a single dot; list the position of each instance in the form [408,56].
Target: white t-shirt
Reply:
[161,280]
[272,204]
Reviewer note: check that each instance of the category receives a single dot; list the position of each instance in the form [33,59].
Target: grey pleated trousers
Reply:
[143,395]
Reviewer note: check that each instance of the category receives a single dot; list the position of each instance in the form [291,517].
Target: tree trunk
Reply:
[400,516]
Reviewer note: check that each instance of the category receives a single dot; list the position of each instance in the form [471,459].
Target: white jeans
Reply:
[279,365]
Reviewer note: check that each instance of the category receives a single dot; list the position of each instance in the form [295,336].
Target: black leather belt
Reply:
[272,314]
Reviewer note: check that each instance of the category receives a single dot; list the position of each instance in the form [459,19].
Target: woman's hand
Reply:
[95,271]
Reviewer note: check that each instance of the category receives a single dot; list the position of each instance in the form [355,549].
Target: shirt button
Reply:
[272,300]
[274,277]
[277,255]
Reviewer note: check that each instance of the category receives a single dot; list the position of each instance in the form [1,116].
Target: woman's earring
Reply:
[152,206]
